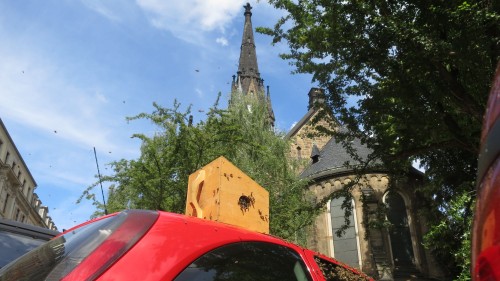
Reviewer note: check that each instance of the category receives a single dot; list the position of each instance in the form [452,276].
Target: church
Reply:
[387,252]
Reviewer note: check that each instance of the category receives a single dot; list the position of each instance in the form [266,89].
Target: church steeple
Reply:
[248,69]
[248,80]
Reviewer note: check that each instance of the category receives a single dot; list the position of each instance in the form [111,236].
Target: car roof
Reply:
[27,229]
[229,228]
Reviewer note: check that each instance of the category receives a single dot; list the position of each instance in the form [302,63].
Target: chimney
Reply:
[316,97]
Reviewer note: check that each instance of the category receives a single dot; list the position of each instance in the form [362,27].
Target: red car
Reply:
[486,230]
[154,245]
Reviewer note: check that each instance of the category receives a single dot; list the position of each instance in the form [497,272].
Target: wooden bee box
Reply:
[222,192]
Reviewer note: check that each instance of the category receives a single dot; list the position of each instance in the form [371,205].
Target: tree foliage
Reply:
[410,79]
[158,179]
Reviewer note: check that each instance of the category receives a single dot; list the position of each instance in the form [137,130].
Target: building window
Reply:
[19,174]
[299,152]
[28,194]
[399,234]
[345,246]
[6,202]
[7,156]
[17,214]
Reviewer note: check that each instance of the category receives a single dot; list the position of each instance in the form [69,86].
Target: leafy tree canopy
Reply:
[419,72]
[158,179]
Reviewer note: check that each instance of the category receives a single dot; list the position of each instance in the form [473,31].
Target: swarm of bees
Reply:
[245,202]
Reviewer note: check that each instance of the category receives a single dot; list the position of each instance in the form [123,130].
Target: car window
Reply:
[18,238]
[336,272]
[14,245]
[39,263]
[247,261]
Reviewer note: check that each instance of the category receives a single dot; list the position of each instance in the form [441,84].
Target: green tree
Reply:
[410,79]
[158,179]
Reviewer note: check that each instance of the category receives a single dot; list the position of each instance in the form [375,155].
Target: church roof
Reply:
[334,158]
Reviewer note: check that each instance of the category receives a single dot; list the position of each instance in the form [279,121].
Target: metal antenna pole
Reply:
[100,182]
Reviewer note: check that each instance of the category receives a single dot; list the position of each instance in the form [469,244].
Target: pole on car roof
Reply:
[100,182]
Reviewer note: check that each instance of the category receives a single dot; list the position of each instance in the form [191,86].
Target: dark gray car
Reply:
[17,238]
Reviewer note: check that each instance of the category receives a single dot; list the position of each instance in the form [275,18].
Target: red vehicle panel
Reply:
[192,238]
[152,246]
[486,229]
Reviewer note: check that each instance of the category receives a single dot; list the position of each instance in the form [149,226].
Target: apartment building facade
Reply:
[18,199]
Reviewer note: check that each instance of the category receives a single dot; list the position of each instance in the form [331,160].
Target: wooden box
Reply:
[222,192]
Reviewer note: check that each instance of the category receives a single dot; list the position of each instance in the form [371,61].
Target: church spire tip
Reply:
[248,9]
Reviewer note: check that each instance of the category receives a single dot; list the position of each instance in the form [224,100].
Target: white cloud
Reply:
[100,97]
[102,8]
[199,93]
[221,40]
[188,19]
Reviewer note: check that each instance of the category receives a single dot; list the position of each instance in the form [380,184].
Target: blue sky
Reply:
[72,70]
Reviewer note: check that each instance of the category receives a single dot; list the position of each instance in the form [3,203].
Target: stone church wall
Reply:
[304,140]
[374,245]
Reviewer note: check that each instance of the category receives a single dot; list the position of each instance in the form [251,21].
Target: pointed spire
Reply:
[248,80]
[248,58]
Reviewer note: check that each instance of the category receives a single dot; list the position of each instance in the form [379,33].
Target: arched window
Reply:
[345,247]
[401,244]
